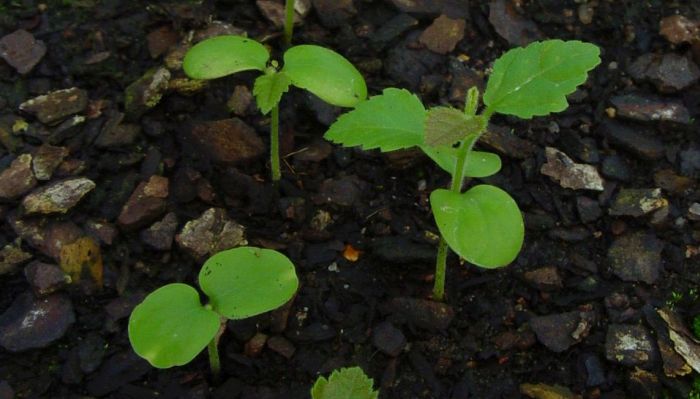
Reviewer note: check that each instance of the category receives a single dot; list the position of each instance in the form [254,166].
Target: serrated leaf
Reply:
[170,327]
[478,164]
[247,281]
[391,121]
[346,383]
[268,90]
[224,55]
[482,225]
[325,73]
[446,126]
[536,79]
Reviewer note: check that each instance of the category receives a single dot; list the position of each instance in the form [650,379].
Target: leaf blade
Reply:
[268,90]
[446,126]
[224,55]
[345,383]
[478,164]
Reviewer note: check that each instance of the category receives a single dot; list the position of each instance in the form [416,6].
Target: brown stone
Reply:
[227,141]
[21,50]
[512,26]
[18,178]
[146,203]
[57,197]
[46,160]
[160,40]
[443,35]
[55,106]
[47,236]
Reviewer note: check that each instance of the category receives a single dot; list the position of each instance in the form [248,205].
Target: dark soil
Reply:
[549,318]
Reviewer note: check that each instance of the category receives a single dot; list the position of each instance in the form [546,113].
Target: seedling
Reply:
[482,225]
[346,383]
[171,326]
[319,70]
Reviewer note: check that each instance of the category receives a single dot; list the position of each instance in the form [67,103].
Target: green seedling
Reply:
[171,326]
[483,224]
[346,383]
[319,70]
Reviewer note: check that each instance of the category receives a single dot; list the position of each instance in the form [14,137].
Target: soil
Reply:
[595,265]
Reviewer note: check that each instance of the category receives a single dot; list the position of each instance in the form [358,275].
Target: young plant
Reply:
[483,224]
[171,326]
[319,70]
[346,383]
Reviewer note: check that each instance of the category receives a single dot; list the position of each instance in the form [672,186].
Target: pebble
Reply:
[668,72]
[388,339]
[443,34]
[630,345]
[407,64]
[255,345]
[637,202]
[425,314]
[160,40]
[637,141]
[690,162]
[146,203]
[558,332]
[91,352]
[47,236]
[544,391]
[31,323]
[11,257]
[588,209]
[57,197]
[226,141]
[21,50]
[115,133]
[636,257]
[103,231]
[344,191]
[282,346]
[146,92]
[55,106]
[643,384]
[517,30]
[669,181]
[117,371]
[392,29]
[451,8]
[648,108]
[46,159]
[334,13]
[678,29]
[544,278]
[160,235]
[240,100]
[45,278]
[502,140]
[212,232]
[18,178]
[616,168]
[316,151]
[595,373]
[569,174]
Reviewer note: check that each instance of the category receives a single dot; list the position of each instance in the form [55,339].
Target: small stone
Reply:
[392,29]
[212,232]
[282,346]
[31,323]
[443,34]
[637,141]
[227,141]
[588,209]
[334,13]
[678,29]
[558,332]
[502,140]
[274,12]
[510,25]
[637,202]
[48,236]
[685,343]
[562,169]
[545,278]
[650,108]
[240,100]
[616,168]
[388,339]
[643,384]
[18,179]
[117,371]
[344,191]
[146,92]
[160,235]
[255,345]
[586,13]
[669,181]
[316,151]
[694,212]
[55,106]
[406,64]
[146,203]
[21,50]
[11,257]
[160,40]
[636,257]
[46,160]
[103,231]
[451,8]
[429,315]
[544,391]
[91,352]
[669,72]
[45,278]
[116,134]
[57,197]
[630,345]
[594,370]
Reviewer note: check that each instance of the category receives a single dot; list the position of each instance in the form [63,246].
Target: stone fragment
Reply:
[47,236]
[146,92]
[45,278]
[588,209]
[91,352]
[569,174]
[316,151]
[429,315]
[240,100]
[558,332]
[595,374]
[334,13]
[643,384]
[227,141]
[160,235]
[55,106]
[669,181]
[684,342]
[46,160]
[668,72]
[501,139]
[391,30]
[630,345]
[637,141]
[160,40]
[146,203]
[407,64]
[255,345]
[443,34]
[545,278]
[282,346]
[21,50]
[274,12]
[18,178]
[636,257]
[451,8]
[678,29]
[11,257]
[31,323]
[57,197]
[637,202]
[212,232]
[388,339]
[510,25]
[344,191]
[117,371]
[650,108]
[544,391]
[103,231]
[115,133]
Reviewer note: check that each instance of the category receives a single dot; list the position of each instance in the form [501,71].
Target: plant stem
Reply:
[288,22]
[214,362]
[275,144]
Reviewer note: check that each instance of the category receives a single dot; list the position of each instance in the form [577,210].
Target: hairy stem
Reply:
[288,21]
[275,144]
[213,350]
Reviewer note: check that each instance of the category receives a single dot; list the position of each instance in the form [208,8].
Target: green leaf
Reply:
[446,126]
[224,55]
[346,383]
[326,74]
[478,164]
[535,80]
[390,121]
[247,281]
[170,327]
[268,90]
[482,225]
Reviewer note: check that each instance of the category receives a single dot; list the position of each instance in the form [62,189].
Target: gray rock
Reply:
[637,141]
[388,339]
[637,202]
[595,373]
[690,162]
[650,108]
[588,209]
[35,323]
[558,332]
[429,315]
[21,50]
[569,174]
[669,72]
[343,191]
[631,345]
[391,30]
[120,369]
[160,235]
[57,197]
[146,203]
[46,160]
[212,232]
[146,92]
[53,107]
[615,167]
[226,141]
[18,179]
[45,278]
[91,352]
[636,257]
[11,257]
